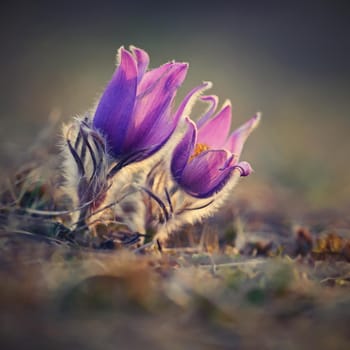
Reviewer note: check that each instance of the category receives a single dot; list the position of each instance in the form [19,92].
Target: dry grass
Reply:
[250,277]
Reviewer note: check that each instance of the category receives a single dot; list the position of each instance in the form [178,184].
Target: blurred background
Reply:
[288,59]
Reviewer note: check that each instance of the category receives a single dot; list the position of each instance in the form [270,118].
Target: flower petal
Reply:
[151,78]
[114,111]
[244,167]
[164,132]
[183,150]
[142,59]
[153,121]
[213,102]
[190,97]
[205,174]
[214,132]
[237,139]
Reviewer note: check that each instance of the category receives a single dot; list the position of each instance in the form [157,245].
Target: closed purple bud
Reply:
[135,111]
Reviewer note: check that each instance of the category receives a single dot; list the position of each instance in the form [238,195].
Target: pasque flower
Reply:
[133,120]
[135,112]
[203,161]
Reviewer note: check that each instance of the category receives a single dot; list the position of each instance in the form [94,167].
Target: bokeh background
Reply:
[288,59]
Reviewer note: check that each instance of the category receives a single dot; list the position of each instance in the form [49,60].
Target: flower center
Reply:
[199,148]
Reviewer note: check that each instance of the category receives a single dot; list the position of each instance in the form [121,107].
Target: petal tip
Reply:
[137,51]
[225,109]
[227,105]
[207,85]
[244,167]
[256,120]
[119,53]
[124,57]
[183,66]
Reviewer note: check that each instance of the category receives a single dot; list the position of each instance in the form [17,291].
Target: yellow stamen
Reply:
[199,148]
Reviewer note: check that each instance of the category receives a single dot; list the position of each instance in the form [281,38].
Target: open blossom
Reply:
[134,113]
[203,161]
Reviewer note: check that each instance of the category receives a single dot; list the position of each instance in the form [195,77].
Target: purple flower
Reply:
[134,113]
[203,161]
